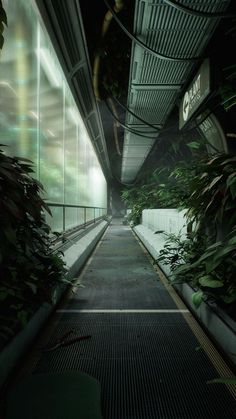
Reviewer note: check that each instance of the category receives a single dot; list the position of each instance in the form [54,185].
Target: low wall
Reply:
[166,219]
[74,257]
[220,326]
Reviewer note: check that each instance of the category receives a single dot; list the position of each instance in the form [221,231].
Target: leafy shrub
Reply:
[29,271]
[213,190]
[208,268]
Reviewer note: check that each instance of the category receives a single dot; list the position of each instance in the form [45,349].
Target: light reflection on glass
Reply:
[39,118]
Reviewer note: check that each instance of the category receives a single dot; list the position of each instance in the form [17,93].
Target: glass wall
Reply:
[39,119]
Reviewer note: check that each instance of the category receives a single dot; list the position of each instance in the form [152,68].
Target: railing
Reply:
[84,216]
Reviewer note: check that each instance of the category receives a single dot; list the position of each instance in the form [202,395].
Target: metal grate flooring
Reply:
[149,364]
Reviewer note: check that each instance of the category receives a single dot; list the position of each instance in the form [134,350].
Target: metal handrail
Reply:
[64,206]
[57,204]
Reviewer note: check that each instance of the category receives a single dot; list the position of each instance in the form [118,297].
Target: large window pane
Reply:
[18,81]
[39,119]
[51,106]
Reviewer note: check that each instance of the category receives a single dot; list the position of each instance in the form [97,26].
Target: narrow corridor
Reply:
[142,350]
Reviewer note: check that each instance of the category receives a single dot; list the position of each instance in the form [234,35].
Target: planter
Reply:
[218,324]
[221,327]
[74,257]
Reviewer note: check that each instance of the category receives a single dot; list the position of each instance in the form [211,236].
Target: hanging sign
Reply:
[196,93]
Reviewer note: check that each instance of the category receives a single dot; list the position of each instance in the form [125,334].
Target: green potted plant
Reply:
[30,272]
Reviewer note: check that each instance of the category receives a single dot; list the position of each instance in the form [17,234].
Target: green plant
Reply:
[213,191]
[162,189]
[217,268]
[29,271]
[178,251]
[139,198]
[210,269]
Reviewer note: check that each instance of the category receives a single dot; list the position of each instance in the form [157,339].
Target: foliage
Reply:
[163,189]
[175,191]
[213,190]
[209,268]
[139,198]
[29,271]
[115,61]
[206,187]
[178,250]
[203,260]
[3,21]
[115,64]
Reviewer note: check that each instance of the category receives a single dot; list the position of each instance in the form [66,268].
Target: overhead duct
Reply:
[156,83]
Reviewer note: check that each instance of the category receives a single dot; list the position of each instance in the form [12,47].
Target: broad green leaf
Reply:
[209,163]
[208,281]
[3,16]
[208,254]
[212,201]
[194,145]
[197,298]
[216,180]
[32,286]
[232,159]
[227,380]
[233,190]
[25,160]
[226,250]
[231,179]
[228,299]
[182,269]
[211,264]
[232,241]
[214,246]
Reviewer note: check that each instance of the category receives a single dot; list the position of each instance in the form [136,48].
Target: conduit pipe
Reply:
[119,5]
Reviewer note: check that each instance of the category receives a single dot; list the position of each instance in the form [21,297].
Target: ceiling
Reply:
[164,45]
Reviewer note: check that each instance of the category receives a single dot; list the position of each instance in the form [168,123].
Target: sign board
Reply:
[196,93]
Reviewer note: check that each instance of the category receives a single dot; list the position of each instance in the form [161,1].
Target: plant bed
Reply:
[30,271]
[215,320]
[74,258]
[219,324]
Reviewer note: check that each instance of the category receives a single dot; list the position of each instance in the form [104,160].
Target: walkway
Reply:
[142,348]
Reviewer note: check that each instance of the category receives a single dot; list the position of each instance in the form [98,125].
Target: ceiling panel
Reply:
[156,82]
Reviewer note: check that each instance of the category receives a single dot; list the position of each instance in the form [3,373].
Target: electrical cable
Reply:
[194,12]
[125,126]
[115,127]
[136,116]
[144,46]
